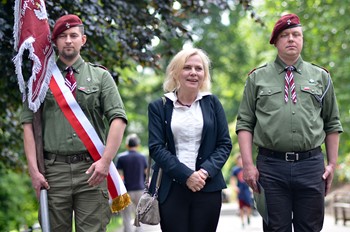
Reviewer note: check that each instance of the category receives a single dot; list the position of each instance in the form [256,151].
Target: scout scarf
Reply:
[31,31]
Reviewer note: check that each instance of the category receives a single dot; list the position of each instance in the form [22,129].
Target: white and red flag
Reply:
[32,32]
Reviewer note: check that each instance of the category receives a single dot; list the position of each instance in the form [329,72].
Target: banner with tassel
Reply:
[32,32]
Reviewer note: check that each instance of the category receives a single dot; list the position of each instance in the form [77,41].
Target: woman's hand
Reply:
[196,181]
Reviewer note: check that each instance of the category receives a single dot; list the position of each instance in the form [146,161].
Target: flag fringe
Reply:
[17,60]
[16,28]
[35,105]
[121,202]
[37,66]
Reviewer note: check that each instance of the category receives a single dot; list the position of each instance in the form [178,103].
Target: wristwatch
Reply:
[204,171]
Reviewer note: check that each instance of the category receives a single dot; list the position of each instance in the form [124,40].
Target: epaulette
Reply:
[98,65]
[320,67]
[256,69]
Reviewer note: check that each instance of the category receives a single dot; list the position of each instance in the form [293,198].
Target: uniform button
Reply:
[294,131]
[88,90]
[269,91]
[293,112]
[74,159]
[74,135]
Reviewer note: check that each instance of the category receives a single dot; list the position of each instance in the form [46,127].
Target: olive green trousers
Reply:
[70,198]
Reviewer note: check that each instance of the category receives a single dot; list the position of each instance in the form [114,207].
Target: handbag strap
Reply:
[159,176]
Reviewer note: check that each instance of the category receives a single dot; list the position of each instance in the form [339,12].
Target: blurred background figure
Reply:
[243,192]
[132,166]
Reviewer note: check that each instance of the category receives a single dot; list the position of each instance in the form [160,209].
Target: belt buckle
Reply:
[291,156]
[75,159]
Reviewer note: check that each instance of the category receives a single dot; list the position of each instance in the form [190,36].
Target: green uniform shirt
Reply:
[284,126]
[98,97]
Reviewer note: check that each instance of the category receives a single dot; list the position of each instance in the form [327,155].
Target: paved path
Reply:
[230,222]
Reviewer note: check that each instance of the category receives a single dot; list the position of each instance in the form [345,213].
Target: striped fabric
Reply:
[289,85]
[70,79]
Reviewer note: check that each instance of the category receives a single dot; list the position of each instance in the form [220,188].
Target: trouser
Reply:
[188,211]
[129,212]
[69,192]
[294,193]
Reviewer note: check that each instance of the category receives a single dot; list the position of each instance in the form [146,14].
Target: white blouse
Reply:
[187,126]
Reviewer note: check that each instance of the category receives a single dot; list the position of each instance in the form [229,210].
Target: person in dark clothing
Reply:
[132,166]
[288,111]
[244,194]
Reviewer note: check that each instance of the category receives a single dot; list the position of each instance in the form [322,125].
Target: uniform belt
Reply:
[290,156]
[69,159]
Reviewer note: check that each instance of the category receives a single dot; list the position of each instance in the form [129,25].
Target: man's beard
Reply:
[69,55]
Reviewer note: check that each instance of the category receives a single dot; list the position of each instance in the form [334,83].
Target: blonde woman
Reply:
[189,140]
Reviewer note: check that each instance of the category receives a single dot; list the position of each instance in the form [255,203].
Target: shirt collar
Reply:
[173,97]
[76,66]
[281,66]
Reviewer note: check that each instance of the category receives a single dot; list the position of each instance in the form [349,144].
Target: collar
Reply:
[281,66]
[76,66]
[173,97]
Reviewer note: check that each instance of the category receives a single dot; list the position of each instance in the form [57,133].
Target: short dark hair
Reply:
[132,140]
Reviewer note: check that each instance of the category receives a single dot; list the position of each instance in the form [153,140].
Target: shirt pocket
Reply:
[50,101]
[310,96]
[269,98]
[88,97]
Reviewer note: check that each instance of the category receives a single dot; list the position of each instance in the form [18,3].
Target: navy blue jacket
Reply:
[214,150]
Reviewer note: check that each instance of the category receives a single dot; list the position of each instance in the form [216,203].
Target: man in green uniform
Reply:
[74,181]
[288,115]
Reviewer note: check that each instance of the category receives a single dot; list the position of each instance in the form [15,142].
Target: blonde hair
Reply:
[173,71]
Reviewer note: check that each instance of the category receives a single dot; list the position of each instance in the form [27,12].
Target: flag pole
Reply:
[44,207]
[30,32]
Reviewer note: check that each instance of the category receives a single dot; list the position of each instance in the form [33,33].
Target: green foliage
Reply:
[17,201]
[137,93]
[10,140]
[115,223]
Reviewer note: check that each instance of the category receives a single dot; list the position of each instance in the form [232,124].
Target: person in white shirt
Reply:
[190,141]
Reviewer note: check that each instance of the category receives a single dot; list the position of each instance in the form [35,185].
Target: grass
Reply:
[115,223]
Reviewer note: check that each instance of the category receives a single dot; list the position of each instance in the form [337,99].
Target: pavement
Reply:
[230,222]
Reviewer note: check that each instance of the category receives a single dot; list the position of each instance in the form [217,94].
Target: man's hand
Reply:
[39,182]
[251,176]
[328,177]
[99,170]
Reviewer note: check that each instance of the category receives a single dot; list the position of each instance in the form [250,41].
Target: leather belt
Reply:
[69,159]
[290,156]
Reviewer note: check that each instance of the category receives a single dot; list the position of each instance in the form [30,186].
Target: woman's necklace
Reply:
[183,104]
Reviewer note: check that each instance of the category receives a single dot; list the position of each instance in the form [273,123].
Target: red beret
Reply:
[285,22]
[64,23]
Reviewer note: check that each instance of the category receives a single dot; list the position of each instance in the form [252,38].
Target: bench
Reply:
[341,206]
